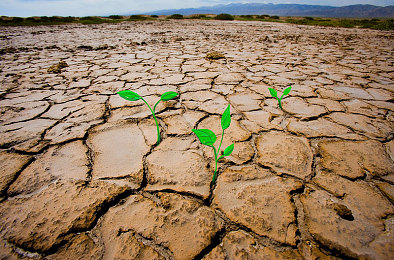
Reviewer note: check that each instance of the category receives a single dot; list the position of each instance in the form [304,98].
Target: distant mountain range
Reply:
[351,11]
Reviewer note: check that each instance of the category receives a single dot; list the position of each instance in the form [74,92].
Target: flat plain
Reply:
[81,176]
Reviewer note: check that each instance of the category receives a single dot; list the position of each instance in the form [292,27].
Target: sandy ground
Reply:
[81,175]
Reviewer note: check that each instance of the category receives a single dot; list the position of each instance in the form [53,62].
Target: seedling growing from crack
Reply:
[208,138]
[132,96]
[275,95]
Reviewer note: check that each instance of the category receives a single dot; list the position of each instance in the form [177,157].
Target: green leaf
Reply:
[287,91]
[228,150]
[169,95]
[129,95]
[273,92]
[206,136]
[226,118]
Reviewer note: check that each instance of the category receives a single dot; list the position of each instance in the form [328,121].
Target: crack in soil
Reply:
[159,248]
[278,40]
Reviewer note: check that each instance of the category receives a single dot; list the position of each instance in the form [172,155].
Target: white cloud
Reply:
[104,7]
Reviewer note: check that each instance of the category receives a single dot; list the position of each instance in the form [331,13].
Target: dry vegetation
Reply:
[379,24]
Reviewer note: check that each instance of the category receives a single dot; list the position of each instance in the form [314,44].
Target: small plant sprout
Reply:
[275,95]
[208,138]
[132,96]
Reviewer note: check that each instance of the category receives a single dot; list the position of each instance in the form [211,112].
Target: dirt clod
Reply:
[57,68]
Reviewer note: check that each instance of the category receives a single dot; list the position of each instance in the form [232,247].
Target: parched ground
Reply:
[81,176]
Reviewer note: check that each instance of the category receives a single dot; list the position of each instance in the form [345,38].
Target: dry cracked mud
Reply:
[81,175]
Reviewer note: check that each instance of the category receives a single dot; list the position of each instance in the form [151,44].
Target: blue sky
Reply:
[26,8]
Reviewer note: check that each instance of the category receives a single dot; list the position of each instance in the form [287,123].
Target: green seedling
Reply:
[208,138]
[132,96]
[275,95]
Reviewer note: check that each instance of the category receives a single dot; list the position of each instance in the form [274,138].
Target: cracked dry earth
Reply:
[82,178]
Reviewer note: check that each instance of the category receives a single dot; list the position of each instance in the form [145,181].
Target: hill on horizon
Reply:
[350,11]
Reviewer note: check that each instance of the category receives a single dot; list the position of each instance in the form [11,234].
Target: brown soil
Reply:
[81,176]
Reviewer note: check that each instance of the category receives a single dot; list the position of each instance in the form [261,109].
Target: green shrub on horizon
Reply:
[199,16]
[247,17]
[228,17]
[175,16]
[31,19]
[137,17]
[115,17]
[89,18]
[92,20]
[263,16]
[385,25]
[55,19]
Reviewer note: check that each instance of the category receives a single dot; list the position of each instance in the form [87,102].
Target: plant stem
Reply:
[216,165]
[221,140]
[157,124]
[154,108]
[280,103]
[154,117]
[216,158]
